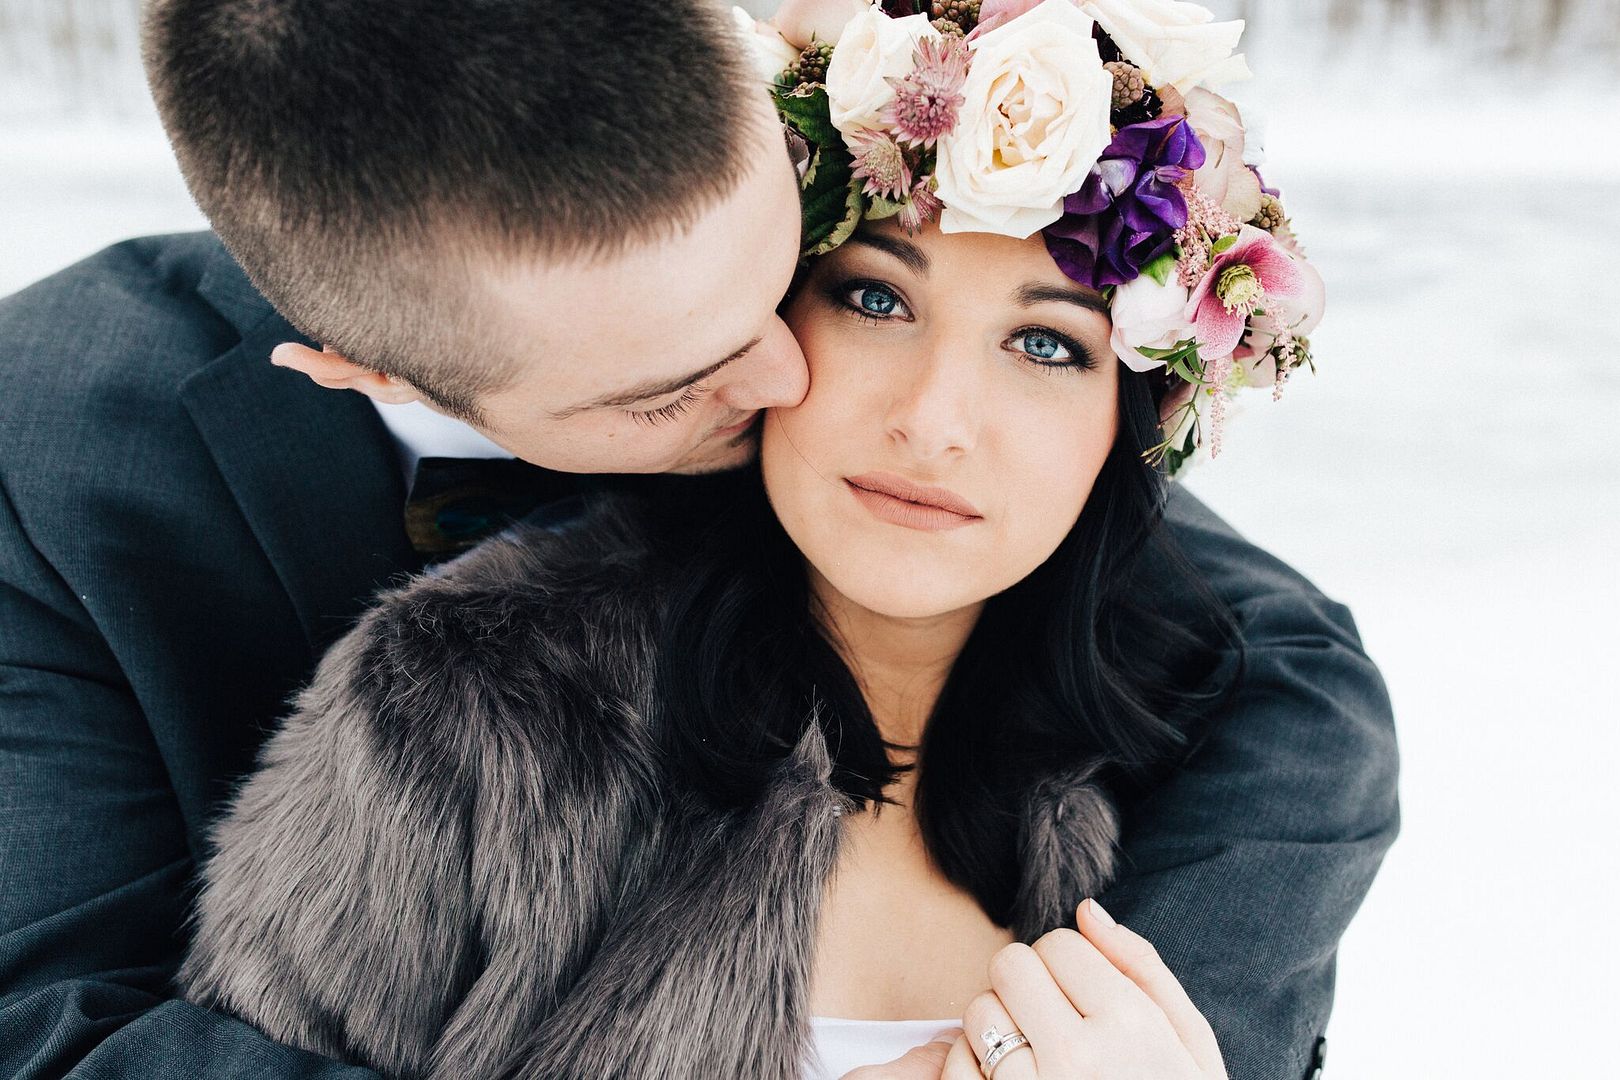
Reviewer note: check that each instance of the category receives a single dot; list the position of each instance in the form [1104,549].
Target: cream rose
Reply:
[1175,43]
[804,21]
[872,50]
[1225,175]
[770,52]
[1034,122]
[1147,314]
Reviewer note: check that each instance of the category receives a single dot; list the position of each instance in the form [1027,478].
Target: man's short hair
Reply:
[361,158]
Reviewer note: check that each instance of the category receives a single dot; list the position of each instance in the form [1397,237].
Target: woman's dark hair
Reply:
[1111,652]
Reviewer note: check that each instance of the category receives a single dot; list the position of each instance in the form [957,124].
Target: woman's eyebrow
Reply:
[1035,292]
[915,258]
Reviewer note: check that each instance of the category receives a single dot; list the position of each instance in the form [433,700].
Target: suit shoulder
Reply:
[127,315]
[1261,589]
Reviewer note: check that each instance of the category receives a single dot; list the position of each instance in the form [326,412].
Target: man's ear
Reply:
[335,371]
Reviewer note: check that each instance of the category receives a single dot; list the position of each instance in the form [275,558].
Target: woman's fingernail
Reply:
[1100,913]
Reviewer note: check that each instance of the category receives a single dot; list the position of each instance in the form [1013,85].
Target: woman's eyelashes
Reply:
[1050,349]
[871,300]
[875,302]
[675,409]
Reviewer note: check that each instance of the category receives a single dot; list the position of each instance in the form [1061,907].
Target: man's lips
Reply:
[736,429]
[916,506]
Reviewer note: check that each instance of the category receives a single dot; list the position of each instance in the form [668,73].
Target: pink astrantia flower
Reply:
[881,163]
[927,100]
[1242,279]
[923,206]
[1206,223]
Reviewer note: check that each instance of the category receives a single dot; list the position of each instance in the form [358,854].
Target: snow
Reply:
[1448,473]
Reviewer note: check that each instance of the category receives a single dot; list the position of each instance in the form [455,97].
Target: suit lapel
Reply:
[312,470]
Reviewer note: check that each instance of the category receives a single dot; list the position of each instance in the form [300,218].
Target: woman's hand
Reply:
[919,1063]
[1097,1004]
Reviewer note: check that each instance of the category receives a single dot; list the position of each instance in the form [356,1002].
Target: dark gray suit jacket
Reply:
[184,528]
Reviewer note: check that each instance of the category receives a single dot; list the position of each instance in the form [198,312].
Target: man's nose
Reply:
[774,375]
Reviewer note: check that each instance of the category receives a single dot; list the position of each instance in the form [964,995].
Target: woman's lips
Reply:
[898,501]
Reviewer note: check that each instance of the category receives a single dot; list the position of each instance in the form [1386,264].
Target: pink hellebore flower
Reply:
[1250,274]
[1296,316]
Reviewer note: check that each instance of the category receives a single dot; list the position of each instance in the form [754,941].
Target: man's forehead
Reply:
[663,308]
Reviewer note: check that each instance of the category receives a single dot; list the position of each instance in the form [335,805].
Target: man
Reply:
[552,230]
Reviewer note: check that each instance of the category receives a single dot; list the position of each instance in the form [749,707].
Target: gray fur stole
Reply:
[457,859]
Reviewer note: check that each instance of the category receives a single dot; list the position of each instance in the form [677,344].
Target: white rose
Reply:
[770,52]
[872,50]
[1034,122]
[1175,43]
[804,21]
[1148,314]
[1225,175]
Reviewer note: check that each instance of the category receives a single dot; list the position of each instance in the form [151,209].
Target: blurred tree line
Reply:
[72,57]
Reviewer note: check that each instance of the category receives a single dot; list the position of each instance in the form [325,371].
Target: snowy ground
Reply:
[1448,473]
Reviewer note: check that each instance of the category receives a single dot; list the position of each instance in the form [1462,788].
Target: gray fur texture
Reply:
[458,860]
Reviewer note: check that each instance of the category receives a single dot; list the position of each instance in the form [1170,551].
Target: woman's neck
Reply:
[900,663]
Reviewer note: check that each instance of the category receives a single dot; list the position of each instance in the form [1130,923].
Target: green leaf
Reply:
[1159,269]
[824,202]
[1224,244]
[843,228]
[1185,345]
[880,208]
[810,168]
[807,111]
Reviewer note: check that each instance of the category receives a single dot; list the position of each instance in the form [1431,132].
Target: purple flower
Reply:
[1127,212]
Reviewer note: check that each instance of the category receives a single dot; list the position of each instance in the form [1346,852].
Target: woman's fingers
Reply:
[1135,957]
[925,1062]
[984,1012]
[1032,997]
[961,1063]
[1093,984]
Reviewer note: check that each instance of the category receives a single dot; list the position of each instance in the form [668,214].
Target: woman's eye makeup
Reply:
[874,301]
[674,410]
[1050,349]
[871,300]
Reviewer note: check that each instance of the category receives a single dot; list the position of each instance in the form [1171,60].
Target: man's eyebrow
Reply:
[913,256]
[650,390]
[1039,293]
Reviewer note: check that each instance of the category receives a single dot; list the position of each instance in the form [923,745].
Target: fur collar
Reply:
[458,859]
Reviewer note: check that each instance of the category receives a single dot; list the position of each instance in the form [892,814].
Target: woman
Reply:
[701,782]
[604,800]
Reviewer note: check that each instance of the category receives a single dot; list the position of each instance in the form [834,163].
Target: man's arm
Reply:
[1245,866]
[94,866]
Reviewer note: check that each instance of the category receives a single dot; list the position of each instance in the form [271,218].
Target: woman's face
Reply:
[962,401]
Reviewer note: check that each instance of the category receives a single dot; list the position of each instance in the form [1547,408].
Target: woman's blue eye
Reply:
[876,300]
[1043,346]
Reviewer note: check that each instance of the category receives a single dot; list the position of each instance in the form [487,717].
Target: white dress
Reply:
[839,1045]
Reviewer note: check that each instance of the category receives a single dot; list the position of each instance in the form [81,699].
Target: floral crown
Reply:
[1092,122]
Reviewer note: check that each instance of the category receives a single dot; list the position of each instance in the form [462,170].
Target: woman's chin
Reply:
[900,592]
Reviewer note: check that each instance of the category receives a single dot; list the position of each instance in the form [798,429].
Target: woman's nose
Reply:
[773,375]
[936,408]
